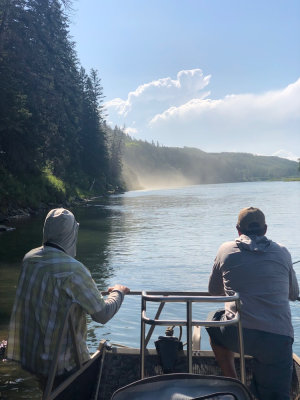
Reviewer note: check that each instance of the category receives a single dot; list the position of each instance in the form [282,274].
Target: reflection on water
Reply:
[13,246]
[158,240]
[167,240]
[15,383]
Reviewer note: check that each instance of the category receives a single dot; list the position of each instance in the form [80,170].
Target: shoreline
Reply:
[27,212]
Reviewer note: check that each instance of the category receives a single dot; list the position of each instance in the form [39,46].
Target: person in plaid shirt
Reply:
[51,280]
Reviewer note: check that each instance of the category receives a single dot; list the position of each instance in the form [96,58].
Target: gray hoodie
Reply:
[261,271]
[61,229]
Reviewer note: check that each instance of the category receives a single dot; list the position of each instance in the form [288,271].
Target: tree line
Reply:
[54,142]
[151,165]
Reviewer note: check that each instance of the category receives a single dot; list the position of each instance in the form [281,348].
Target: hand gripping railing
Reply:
[188,322]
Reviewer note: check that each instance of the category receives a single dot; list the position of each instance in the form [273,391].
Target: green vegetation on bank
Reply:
[54,143]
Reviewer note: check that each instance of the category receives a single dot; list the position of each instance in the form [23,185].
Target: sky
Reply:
[219,75]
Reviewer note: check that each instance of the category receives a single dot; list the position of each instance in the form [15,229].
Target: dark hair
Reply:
[254,229]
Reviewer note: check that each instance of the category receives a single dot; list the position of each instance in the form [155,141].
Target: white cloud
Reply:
[286,154]
[165,91]
[180,113]
[155,97]
[130,131]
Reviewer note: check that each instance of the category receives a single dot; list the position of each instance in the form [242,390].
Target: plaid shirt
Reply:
[50,281]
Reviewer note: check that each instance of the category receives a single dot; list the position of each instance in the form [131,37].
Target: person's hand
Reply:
[121,288]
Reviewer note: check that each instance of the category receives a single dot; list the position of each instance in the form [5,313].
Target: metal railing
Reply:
[189,298]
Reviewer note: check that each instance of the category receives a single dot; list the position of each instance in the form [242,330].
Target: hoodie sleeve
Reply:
[112,305]
[83,290]
[293,285]
[215,285]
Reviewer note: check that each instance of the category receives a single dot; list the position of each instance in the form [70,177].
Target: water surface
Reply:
[158,240]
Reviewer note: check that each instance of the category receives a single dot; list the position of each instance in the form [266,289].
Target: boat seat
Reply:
[184,387]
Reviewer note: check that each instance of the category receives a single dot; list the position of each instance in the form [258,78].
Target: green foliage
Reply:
[51,123]
[115,140]
[29,191]
[57,184]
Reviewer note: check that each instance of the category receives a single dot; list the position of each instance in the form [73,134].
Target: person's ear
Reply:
[238,229]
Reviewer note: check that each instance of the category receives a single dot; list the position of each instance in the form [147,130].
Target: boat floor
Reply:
[122,366]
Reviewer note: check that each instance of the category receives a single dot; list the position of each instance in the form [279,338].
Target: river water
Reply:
[158,240]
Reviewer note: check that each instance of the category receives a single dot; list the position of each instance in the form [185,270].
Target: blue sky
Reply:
[214,74]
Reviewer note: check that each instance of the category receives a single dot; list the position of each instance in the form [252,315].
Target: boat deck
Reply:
[122,366]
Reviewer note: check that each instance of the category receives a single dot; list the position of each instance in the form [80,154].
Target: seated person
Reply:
[261,271]
[51,279]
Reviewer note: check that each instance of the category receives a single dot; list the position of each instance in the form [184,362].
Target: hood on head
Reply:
[253,243]
[61,228]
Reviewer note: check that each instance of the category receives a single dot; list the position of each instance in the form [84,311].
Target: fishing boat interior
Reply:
[171,371]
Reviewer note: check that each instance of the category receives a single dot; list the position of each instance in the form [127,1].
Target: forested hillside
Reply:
[54,144]
[151,166]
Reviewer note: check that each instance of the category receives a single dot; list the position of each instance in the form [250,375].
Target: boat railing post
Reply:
[173,297]
[189,335]
[241,342]
[142,361]
[54,363]
[78,359]
[102,347]
[152,327]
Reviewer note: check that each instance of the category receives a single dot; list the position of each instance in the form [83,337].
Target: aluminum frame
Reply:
[189,298]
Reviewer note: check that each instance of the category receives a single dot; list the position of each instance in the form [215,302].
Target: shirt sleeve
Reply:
[293,285]
[112,305]
[215,284]
[83,290]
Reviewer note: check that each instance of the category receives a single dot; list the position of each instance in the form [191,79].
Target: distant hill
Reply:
[147,165]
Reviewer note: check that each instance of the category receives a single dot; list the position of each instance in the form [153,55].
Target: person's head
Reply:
[251,221]
[61,229]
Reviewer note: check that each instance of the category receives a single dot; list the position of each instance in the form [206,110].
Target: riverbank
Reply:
[13,213]
[18,213]
[291,179]
[23,195]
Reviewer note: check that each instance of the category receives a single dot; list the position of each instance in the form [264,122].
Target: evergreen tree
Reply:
[94,155]
[51,112]
[17,141]
[116,148]
[57,101]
